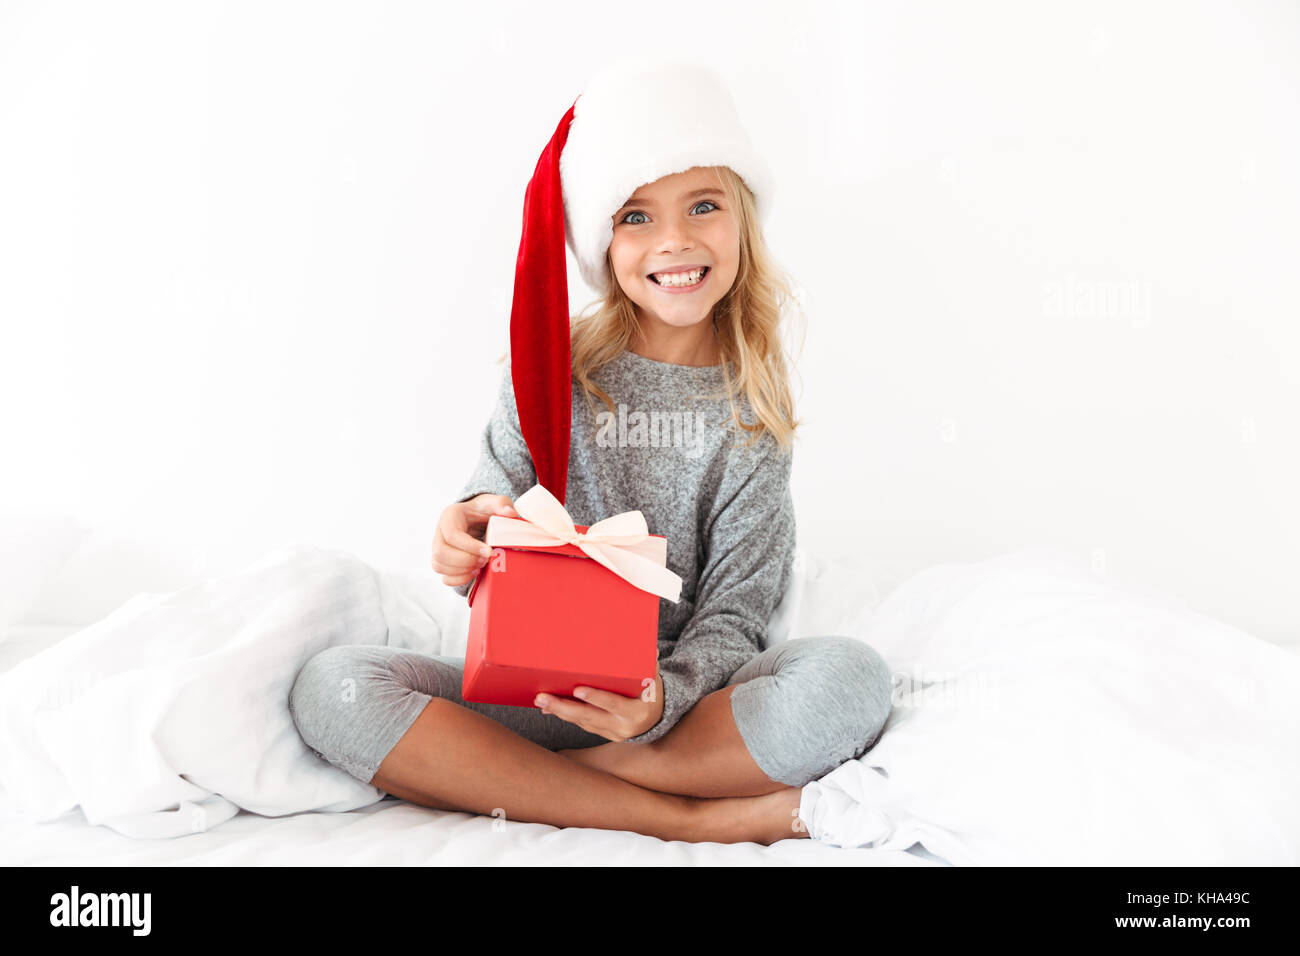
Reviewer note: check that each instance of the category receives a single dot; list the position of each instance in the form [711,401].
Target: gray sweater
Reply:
[726,510]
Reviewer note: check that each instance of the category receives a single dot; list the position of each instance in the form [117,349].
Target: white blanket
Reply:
[171,713]
[1044,716]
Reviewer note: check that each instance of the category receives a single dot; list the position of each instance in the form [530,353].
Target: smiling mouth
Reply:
[703,275]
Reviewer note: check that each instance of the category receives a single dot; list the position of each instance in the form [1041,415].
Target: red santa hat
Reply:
[636,122]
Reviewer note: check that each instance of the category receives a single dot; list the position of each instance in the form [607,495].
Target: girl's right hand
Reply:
[458,548]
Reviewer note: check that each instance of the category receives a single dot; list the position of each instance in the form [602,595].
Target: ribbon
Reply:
[622,542]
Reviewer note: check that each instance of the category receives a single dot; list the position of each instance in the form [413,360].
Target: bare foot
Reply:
[764,819]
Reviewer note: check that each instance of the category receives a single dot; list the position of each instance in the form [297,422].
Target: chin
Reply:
[676,321]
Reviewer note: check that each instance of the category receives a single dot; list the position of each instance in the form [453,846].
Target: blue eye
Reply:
[637,212]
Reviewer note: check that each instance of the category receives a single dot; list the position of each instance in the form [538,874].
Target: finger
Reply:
[461,542]
[450,561]
[484,506]
[586,716]
[453,535]
[606,700]
[460,558]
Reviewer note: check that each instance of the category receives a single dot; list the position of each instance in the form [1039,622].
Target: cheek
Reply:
[626,273]
[733,243]
[727,241]
[620,260]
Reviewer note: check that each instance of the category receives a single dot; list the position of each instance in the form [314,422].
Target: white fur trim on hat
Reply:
[635,123]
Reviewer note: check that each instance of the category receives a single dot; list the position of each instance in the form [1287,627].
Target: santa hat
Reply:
[636,122]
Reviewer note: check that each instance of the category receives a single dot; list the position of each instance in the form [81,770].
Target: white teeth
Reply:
[679,279]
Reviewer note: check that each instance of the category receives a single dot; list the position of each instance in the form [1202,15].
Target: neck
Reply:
[696,346]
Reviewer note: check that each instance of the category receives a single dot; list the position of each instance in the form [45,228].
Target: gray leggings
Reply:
[803,707]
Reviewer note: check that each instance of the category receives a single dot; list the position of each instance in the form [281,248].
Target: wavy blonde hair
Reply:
[747,326]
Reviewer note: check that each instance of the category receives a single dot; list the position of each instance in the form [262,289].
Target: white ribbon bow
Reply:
[622,543]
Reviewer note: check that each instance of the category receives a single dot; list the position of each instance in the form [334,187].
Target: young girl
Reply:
[662,201]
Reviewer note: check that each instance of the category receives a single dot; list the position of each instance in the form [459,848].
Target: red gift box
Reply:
[546,618]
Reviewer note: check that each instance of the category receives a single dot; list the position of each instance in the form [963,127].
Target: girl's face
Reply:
[677,221]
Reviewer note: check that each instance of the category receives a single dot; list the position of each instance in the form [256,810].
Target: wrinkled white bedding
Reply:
[1044,716]
[170,714]
[1067,721]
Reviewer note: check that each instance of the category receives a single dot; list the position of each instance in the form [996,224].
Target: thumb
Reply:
[495,505]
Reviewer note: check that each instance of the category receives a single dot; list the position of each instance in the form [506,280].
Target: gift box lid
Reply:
[571,550]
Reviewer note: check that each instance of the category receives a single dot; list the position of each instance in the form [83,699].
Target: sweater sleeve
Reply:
[751,545]
[505,466]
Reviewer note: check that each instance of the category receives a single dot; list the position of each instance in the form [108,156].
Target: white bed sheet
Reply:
[396,833]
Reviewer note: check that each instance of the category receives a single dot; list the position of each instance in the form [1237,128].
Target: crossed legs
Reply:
[730,770]
[440,762]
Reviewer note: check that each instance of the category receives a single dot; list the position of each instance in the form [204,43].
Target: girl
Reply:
[662,202]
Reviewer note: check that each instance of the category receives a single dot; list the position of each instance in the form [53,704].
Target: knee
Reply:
[823,701]
[858,688]
[868,690]
[321,691]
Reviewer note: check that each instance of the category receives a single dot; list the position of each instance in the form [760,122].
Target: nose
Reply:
[672,238]
[673,234]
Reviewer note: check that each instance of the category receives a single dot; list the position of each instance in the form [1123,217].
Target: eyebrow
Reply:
[708,191]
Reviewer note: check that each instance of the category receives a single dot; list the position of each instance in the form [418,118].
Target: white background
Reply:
[256,262]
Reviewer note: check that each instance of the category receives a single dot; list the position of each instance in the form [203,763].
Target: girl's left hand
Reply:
[607,714]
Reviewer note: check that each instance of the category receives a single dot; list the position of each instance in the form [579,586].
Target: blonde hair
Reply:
[747,327]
